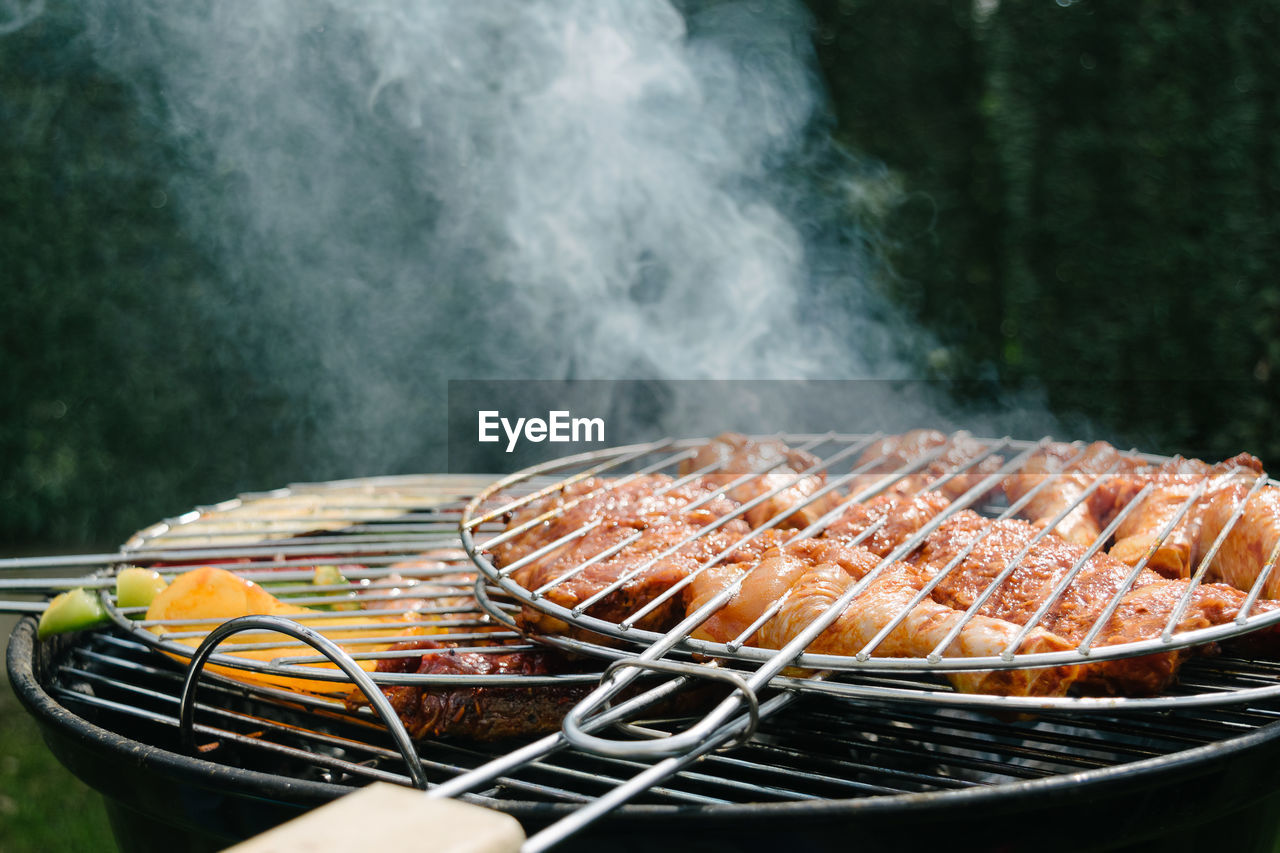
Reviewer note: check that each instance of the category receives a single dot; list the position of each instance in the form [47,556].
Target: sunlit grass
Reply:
[43,808]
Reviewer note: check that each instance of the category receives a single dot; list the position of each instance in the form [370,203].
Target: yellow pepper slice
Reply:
[215,595]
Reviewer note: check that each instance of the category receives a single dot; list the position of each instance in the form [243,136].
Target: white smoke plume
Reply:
[398,194]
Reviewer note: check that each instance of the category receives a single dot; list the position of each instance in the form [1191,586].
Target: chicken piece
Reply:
[1143,611]
[735,455]
[1175,484]
[808,576]
[899,451]
[1071,470]
[903,516]
[1250,541]
[645,536]
[760,586]
[729,621]
[988,547]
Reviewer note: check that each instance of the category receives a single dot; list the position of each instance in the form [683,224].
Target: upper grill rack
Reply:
[839,460]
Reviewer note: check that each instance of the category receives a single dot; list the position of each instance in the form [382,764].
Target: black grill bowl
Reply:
[1223,794]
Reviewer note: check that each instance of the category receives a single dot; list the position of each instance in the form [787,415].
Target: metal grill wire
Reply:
[837,449]
[401,551]
[817,750]
[814,751]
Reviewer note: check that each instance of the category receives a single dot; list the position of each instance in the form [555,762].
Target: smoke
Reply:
[16,14]
[397,194]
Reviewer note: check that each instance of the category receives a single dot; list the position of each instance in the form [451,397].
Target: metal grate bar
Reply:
[316,741]
[124,708]
[737,513]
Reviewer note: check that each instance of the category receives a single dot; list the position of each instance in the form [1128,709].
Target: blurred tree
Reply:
[116,411]
[1090,199]
[907,82]
[1138,147]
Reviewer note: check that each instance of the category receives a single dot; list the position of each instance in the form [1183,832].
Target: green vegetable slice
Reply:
[137,587]
[73,610]
[332,576]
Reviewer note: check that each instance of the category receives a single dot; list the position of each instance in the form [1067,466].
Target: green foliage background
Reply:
[1090,199]
[1089,202]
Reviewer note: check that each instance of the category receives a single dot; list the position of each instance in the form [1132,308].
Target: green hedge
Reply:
[1089,200]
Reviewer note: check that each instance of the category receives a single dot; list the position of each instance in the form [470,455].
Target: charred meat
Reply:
[482,713]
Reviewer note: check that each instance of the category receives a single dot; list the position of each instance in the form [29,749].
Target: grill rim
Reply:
[1159,772]
[23,662]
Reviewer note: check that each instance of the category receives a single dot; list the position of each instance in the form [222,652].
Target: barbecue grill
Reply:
[876,749]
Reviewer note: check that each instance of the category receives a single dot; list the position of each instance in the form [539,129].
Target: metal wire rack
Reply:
[822,761]
[839,458]
[886,746]
[398,577]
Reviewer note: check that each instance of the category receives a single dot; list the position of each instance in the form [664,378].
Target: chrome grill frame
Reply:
[822,763]
[854,714]
[765,664]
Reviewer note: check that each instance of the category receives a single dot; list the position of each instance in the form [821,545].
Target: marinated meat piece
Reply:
[1142,612]
[479,713]
[1174,484]
[993,545]
[892,518]
[899,451]
[1120,478]
[990,546]
[786,564]
[808,576]
[1250,541]
[736,455]
[645,535]
[1071,469]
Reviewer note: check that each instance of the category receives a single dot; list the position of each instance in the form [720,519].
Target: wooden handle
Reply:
[388,817]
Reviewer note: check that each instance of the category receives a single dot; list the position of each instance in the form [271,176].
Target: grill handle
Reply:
[674,744]
[382,816]
[321,644]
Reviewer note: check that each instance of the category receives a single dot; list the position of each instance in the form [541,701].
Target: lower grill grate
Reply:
[821,748]
[854,742]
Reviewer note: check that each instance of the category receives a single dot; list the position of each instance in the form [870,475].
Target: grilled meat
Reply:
[1071,469]
[957,451]
[612,547]
[735,455]
[1143,611]
[1094,484]
[1179,486]
[888,521]
[1173,484]
[804,580]
[479,713]
[982,549]
[1251,540]
[641,538]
